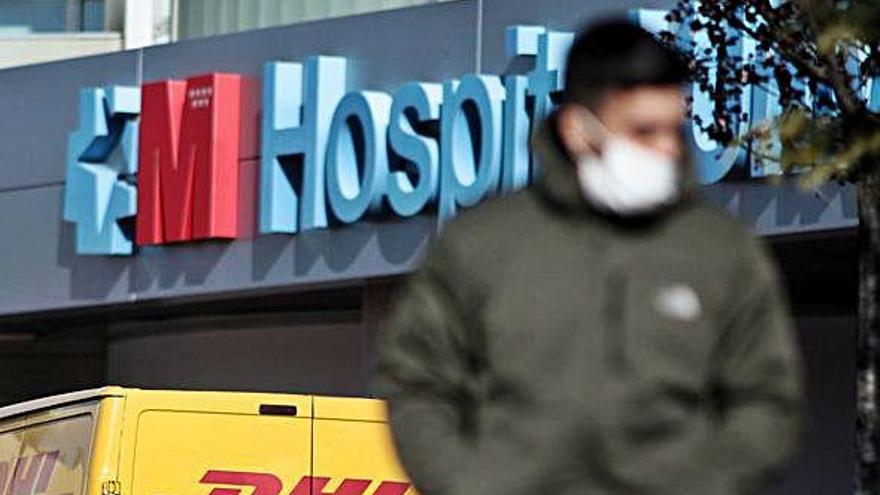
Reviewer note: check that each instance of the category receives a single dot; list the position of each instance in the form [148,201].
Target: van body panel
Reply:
[106,443]
[182,442]
[117,441]
[205,444]
[350,409]
[357,450]
[352,445]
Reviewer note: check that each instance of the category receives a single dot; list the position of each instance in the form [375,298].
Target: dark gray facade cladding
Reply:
[385,50]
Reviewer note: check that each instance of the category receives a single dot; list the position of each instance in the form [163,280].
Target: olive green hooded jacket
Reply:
[545,348]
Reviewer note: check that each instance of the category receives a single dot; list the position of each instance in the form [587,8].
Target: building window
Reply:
[51,16]
[200,18]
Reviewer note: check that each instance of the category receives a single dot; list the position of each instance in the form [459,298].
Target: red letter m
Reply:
[188,159]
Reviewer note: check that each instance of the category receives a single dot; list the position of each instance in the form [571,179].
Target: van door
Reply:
[205,448]
[353,451]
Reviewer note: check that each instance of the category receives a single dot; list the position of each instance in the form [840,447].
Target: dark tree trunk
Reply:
[868,430]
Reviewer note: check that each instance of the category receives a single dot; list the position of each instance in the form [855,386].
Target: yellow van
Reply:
[121,441]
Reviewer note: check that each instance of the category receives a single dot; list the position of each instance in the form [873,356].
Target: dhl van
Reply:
[120,441]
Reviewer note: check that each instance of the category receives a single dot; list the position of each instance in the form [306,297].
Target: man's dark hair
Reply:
[617,54]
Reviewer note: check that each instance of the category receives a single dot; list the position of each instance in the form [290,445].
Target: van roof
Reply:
[60,400]
[341,408]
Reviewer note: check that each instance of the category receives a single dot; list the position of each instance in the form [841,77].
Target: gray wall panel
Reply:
[261,354]
[240,15]
[384,50]
[564,15]
[787,209]
[40,270]
[364,250]
[361,251]
[40,107]
[390,47]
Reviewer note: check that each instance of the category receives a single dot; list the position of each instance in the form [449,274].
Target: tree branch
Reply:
[840,83]
[802,63]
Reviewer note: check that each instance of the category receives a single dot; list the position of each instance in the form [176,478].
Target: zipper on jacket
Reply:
[615,334]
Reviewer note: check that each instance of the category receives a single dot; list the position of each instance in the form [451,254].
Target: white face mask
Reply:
[628,179]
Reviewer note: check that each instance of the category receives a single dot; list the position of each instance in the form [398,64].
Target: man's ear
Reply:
[573,131]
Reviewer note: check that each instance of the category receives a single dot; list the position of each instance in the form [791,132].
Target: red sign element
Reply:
[315,486]
[263,483]
[392,488]
[49,460]
[268,484]
[188,159]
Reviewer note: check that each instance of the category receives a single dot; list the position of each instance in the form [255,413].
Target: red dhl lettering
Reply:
[29,475]
[269,484]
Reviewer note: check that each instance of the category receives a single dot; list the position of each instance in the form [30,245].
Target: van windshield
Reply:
[47,456]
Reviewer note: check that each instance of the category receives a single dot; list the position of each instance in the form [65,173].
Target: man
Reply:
[604,331]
